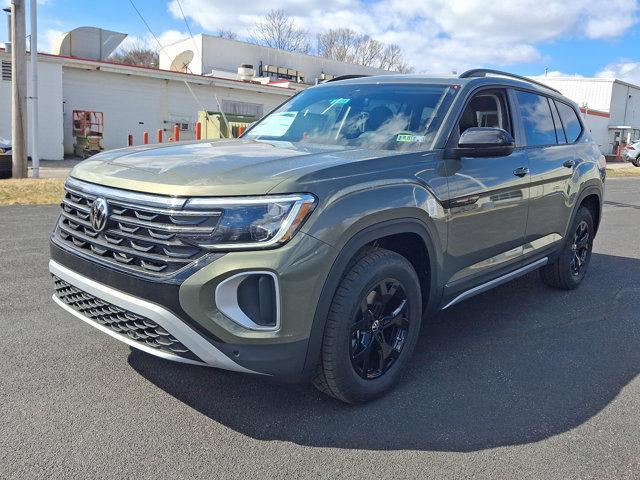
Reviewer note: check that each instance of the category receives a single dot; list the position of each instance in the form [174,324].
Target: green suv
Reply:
[314,246]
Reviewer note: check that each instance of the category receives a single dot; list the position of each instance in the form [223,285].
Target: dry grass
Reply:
[31,191]
[629,171]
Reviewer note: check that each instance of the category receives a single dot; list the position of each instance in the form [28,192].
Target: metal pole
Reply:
[35,158]
[18,90]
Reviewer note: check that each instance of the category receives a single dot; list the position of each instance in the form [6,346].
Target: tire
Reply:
[636,162]
[568,270]
[372,327]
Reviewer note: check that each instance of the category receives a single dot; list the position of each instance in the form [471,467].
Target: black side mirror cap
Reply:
[484,142]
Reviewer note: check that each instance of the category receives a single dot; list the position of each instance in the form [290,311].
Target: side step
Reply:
[497,281]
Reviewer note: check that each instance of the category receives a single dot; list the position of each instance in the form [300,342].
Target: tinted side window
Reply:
[537,120]
[556,120]
[572,125]
[486,109]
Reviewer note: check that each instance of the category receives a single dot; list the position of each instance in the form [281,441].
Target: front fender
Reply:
[352,221]
[347,213]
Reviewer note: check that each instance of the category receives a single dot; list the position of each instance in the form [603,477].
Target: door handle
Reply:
[569,164]
[521,171]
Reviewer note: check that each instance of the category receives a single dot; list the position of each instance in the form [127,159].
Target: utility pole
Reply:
[35,159]
[18,89]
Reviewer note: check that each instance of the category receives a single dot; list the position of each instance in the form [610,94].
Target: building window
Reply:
[6,70]
[242,108]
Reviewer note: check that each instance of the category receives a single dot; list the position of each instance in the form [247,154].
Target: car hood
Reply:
[223,167]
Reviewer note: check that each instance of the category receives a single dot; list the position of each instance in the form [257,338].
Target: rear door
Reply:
[488,198]
[552,161]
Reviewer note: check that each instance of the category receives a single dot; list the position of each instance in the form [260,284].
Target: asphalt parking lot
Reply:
[521,382]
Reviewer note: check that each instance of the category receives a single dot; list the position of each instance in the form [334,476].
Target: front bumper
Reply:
[187,309]
[205,353]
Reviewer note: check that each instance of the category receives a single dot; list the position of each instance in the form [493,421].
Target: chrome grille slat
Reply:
[77,206]
[151,239]
[162,226]
[117,248]
[119,320]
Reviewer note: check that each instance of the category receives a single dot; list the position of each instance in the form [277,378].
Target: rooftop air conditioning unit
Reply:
[246,72]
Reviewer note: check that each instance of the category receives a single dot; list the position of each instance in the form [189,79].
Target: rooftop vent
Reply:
[246,72]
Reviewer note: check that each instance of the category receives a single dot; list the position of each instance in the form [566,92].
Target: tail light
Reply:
[602,162]
[630,147]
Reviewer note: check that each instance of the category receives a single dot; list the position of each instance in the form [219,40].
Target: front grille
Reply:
[121,321]
[150,240]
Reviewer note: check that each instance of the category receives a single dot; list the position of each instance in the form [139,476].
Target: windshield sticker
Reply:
[275,125]
[408,137]
[340,101]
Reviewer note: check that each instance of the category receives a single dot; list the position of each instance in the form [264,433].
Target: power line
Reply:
[195,44]
[148,27]
[188,27]
[161,49]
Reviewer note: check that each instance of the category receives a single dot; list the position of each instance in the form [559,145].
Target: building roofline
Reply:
[588,79]
[276,50]
[165,74]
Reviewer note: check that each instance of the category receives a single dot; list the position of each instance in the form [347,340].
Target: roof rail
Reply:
[482,72]
[345,77]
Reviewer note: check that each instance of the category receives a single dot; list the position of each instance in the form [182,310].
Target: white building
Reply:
[209,55]
[134,100]
[610,107]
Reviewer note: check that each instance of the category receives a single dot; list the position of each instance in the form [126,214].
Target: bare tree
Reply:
[346,45]
[230,34]
[137,54]
[279,30]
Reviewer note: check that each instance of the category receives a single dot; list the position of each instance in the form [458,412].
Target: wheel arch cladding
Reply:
[592,201]
[402,235]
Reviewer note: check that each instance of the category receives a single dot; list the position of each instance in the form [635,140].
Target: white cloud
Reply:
[437,35]
[148,41]
[622,70]
[47,40]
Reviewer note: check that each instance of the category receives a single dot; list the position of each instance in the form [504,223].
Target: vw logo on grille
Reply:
[99,214]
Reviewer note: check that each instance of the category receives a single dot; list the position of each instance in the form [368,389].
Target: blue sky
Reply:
[585,37]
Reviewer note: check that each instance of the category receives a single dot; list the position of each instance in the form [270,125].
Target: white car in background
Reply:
[631,153]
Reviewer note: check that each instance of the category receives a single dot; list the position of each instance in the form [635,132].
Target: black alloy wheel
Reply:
[380,329]
[580,249]
[372,327]
[569,268]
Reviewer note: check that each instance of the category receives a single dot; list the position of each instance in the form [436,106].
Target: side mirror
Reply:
[484,142]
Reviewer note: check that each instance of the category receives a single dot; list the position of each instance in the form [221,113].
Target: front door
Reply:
[488,199]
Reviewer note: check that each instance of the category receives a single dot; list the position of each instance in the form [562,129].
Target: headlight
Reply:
[254,222]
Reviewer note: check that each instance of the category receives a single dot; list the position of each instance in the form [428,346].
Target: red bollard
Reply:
[198,131]
[176,133]
[145,138]
[130,140]
[159,135]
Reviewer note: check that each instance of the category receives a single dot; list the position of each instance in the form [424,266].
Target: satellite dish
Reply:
[181,61]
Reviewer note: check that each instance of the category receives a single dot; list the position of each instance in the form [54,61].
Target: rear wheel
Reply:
[372,327]
[570,267]
[636,161]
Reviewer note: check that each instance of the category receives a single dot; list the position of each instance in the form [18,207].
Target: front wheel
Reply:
[568,270]
[372,327]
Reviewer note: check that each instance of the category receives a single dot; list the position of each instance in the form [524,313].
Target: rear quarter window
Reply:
[571,122]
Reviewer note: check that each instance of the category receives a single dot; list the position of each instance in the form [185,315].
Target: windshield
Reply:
[390,117]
